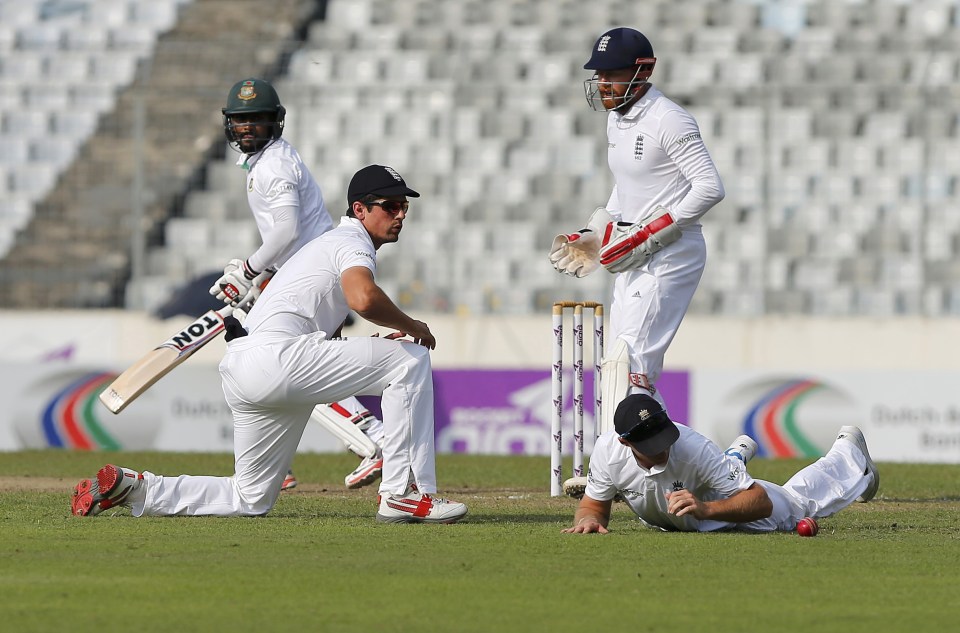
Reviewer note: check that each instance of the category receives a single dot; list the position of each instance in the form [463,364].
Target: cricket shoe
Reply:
[854,435]
[416,507]
[367,472]
[575,487]
[289,482]
[112,487]
[743,448]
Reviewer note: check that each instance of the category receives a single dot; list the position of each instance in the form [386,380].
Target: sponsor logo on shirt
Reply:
[250,183]
[629,493]
[692,136]
[365,254]
[281,188]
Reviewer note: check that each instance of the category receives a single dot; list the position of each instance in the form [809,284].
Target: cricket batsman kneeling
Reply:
[287,360]
[675,479]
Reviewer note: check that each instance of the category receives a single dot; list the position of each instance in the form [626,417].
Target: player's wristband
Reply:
[248,270]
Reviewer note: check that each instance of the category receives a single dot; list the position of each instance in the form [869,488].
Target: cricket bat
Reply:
[163,359]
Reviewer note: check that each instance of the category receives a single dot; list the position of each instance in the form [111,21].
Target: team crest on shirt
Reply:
[677,486]
[638,148]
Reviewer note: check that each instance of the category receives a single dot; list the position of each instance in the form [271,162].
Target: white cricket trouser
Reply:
[272,383]
[823,488]
[649,303]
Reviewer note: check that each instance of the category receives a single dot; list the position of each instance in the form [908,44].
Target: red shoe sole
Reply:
[82,501]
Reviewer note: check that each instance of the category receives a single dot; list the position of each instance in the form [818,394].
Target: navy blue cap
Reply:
[641,420]
[618,48]
[378,180]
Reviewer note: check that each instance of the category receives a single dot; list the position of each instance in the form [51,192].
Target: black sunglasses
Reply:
[645,429]
[393,207]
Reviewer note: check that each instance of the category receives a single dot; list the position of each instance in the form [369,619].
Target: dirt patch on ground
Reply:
[36,484]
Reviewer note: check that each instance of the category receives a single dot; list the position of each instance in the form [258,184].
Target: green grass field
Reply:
[319,561]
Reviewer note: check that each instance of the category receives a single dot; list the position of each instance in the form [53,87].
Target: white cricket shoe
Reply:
[415,507]
[111,487]
[743,448]
[575,487]
[854,435]
[369,470]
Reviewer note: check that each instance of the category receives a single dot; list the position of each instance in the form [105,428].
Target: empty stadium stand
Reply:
[833,125]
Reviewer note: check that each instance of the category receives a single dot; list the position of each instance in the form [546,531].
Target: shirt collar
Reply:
[356,225]
[642,104]
[247,161]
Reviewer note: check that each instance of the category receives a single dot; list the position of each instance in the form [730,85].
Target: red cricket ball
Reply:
[807,527]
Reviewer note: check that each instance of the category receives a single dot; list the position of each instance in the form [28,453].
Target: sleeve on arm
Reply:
[724,475]
[275,241]
[599,482]
[683,143]
[351,254]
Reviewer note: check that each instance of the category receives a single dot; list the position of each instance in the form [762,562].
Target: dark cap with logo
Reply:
[377,180]
[618,48]
[641,420]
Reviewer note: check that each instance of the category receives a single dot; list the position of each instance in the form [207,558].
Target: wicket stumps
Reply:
[556,421]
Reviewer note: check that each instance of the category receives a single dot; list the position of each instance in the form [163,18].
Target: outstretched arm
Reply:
[591,516]
[744,506]
[367,299]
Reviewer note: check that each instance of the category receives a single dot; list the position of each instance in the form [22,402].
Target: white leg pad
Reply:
[614,383]
[340,423]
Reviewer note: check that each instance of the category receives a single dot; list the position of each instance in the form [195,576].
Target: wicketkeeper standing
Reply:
[649,233]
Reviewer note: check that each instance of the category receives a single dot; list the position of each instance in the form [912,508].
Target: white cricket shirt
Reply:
[695,464]
[305,296]
[658,158]
[286,202]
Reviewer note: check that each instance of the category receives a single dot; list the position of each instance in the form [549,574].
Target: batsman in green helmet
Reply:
[253,117]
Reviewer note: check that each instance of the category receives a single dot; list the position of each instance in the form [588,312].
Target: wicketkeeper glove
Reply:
[576,254]
[628,246]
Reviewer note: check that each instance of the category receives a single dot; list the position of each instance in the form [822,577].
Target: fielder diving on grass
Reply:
[675,479]
[286,360]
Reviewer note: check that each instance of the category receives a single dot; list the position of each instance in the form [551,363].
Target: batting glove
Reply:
[259,283]
[235,283]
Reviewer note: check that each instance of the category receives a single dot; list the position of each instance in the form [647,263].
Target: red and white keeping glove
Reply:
[239,283]
[628,246]
[576,254]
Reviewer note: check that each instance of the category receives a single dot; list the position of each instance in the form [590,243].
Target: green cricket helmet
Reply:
[246,99]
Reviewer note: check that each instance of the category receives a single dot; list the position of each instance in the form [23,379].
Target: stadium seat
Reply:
[479,103]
